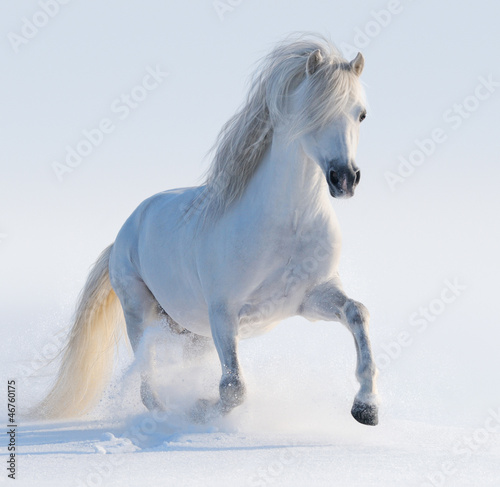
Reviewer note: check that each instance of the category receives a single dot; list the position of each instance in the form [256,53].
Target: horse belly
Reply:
[170,279]
[166,260]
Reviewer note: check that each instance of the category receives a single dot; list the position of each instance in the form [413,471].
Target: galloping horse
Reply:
[257,243]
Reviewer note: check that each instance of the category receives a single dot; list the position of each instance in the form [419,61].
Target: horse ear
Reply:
[358,63]
[313,62]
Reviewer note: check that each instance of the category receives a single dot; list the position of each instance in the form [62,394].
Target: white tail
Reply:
[88,358]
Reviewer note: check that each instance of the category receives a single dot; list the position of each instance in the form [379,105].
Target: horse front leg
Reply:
[329,302]
[224,327]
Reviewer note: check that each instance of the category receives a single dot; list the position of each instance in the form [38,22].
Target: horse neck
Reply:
[288,184]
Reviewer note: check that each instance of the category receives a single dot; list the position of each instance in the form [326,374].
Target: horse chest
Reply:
[293,269]
[305,257]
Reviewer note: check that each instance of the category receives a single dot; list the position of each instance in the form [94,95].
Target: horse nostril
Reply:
[334,179]
[357,177]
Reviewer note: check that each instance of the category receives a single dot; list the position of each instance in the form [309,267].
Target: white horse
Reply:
[257,243]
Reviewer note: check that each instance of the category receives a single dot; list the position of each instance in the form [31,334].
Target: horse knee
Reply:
[356,313]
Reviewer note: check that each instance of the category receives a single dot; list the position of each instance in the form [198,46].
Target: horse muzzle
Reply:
[343,181]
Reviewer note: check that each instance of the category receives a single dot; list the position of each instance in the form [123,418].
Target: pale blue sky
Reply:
[399,247]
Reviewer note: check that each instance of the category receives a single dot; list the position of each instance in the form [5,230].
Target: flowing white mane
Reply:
[243,140]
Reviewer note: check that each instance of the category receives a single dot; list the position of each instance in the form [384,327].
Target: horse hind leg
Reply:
[195,346]
[149,396]
[141,310]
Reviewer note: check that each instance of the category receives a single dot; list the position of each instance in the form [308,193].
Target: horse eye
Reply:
[362,116]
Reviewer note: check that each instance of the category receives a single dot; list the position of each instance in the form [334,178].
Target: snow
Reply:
[396,453]
[294,430]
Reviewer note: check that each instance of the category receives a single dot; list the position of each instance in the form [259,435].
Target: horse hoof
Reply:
[150,399]
[204,411]
[365,413]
